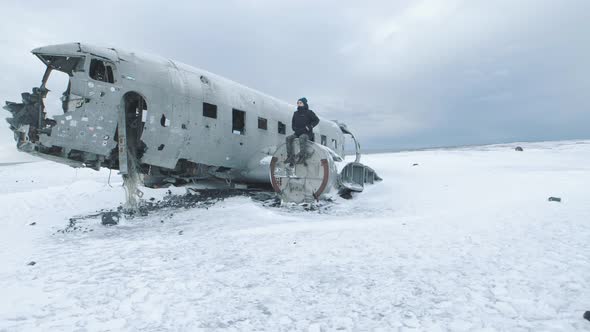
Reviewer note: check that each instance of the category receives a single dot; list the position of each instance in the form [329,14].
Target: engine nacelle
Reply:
[304,182]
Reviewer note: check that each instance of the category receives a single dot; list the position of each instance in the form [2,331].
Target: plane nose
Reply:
[59,49]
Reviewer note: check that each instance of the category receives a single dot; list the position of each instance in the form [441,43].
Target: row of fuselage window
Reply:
[239,123]
[102,71]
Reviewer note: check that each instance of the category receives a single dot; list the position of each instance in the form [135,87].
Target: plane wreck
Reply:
[161,122]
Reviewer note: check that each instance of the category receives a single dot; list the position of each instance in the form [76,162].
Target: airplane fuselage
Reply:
[177,120]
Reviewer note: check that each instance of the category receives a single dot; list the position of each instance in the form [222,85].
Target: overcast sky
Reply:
[402,74]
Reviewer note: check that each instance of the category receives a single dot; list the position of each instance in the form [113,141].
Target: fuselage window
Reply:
[335,143]
[101,71]
[210,110]
[238,122]
[324,140]
[262,123]
[282,128]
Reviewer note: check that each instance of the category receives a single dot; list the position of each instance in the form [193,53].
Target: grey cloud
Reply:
[401,73]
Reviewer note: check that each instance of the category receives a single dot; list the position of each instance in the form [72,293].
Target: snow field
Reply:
[464,241]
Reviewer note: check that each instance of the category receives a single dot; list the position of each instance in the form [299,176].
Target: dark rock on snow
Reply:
[518,148]
[554,199]
[110,218]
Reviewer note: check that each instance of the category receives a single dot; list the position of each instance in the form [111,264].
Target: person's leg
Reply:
[290,157]
[303,154]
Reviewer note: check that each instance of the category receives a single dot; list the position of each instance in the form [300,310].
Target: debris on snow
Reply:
[110,218]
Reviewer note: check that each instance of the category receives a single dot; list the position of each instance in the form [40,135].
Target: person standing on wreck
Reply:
[302,124]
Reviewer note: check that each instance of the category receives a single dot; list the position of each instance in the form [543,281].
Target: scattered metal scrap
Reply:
[171,204]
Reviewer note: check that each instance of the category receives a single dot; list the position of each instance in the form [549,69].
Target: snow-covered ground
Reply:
[466,240]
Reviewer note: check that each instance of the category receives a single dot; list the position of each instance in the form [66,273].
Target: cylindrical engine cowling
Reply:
[303,182]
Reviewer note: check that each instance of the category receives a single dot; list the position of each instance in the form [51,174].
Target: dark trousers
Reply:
[303,138]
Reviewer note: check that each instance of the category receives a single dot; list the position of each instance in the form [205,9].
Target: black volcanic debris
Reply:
[170,202]
[73,225]
[198,199]
[167,206]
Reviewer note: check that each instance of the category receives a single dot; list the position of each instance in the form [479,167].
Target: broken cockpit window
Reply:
[57,100]
[66,64]
[101,71]
[60,69]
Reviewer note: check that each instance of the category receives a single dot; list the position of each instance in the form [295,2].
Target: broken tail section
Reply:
[317,177]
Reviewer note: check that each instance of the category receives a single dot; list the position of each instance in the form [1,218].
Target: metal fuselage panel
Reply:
[192,136]
[175,127]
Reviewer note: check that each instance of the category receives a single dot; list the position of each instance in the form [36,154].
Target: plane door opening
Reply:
[131,124]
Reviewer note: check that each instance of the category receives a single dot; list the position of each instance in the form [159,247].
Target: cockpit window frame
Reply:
[108,73]
[64,63]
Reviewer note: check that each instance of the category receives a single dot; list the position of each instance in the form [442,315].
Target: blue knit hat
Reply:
[303,100]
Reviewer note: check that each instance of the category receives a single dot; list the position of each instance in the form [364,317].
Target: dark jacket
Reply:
[303,122]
